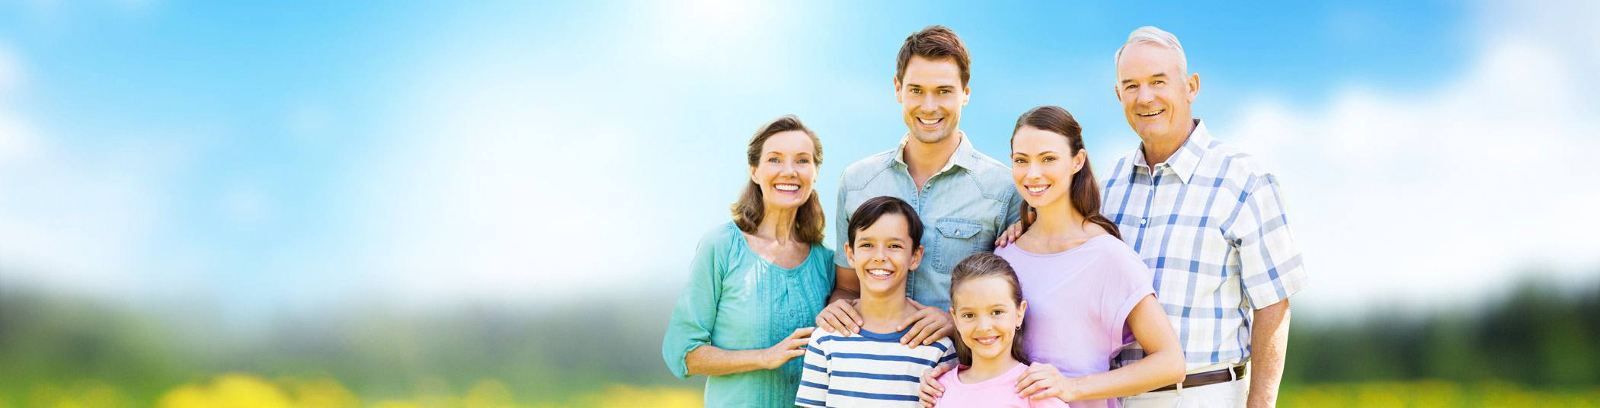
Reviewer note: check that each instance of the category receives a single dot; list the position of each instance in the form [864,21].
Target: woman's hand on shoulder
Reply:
[1042,381]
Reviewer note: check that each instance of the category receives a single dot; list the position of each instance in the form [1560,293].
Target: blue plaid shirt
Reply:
[1211,226]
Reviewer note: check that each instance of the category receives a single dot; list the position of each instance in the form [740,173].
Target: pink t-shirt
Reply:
[999,392]
[1078,305]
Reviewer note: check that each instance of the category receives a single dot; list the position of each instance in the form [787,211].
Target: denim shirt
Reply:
[962,207]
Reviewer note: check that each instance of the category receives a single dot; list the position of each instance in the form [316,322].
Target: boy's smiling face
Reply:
[882,254]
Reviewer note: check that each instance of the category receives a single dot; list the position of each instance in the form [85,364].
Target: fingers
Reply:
[916,335]
[827,320]
[849,310]
[927,395]
[931,380]
[928,334]
[930,391]
[795,344]
[839,317]
[1035,373]
[802,332]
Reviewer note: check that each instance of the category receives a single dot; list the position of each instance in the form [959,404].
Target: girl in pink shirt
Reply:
[987,306]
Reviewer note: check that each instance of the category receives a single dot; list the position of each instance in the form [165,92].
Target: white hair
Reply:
[1158,37]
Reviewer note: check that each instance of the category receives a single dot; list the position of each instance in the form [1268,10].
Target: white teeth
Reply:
[786,187]
[880,272]
[929,121]
[986,340]
[1037,189]
[1152,113]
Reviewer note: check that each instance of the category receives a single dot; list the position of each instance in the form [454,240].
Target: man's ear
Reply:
[966,94]
[897,98]
[1194,85]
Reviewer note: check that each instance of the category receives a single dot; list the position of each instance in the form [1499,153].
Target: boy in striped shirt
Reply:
[871,367]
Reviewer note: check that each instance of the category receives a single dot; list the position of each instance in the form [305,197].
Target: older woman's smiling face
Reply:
[786,169]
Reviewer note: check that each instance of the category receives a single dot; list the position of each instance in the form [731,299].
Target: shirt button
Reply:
[1142,221]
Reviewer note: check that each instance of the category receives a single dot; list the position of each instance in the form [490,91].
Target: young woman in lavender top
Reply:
[1088,293]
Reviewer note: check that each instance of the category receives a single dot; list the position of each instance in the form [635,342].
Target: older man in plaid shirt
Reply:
[1210,223]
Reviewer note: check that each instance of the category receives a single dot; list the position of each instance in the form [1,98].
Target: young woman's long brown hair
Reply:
[1085,192]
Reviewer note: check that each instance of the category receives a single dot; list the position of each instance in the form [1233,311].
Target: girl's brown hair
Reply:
[1085,193]
[809,223]
[983,265]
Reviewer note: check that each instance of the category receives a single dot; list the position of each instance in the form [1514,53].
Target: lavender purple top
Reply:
[1078,304]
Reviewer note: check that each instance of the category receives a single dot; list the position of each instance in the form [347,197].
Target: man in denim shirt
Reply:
[963,196]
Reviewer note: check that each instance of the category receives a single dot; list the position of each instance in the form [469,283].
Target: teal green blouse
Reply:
[736,300]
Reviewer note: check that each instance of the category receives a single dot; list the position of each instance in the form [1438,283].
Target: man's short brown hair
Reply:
[934,42]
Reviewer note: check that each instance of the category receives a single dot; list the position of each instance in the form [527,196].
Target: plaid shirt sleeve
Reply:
[1268,257]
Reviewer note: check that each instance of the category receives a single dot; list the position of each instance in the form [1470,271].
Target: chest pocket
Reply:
[958,238]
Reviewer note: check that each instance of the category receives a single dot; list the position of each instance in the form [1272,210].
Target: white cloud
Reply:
[76,218]
[1419,197]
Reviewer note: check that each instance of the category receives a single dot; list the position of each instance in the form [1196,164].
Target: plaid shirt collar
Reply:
[1186,160]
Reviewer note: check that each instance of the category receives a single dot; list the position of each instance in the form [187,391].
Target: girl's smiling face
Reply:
[987,317]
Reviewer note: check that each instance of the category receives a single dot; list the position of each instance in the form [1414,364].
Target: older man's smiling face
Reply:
[1155,92]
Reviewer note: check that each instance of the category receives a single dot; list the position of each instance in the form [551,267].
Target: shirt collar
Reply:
[964,155]
[1186,160]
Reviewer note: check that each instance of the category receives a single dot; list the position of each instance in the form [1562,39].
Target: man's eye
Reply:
[966,315]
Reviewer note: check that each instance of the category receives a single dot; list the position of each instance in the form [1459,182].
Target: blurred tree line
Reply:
[1541,334]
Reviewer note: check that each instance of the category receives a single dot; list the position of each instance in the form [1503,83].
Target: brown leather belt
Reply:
[1207,378]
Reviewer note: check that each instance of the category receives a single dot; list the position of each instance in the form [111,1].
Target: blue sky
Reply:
[266,156]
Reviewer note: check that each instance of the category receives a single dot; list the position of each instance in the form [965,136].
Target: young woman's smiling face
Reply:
[1042,165]
[987,317]
[786,169]
[883,254]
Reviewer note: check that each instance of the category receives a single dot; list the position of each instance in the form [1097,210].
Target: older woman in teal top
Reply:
[757,283]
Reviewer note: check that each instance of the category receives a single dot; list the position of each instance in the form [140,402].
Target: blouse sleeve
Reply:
[1131,283]
[696,310]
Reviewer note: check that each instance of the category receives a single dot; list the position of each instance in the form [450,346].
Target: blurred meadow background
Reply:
[491,204]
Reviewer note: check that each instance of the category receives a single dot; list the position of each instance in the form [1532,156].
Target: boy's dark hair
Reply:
[869,212]
[934,42]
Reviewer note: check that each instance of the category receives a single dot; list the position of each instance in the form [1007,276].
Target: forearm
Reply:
[845,286]
[1157,369]
[1269,342]
[710,360]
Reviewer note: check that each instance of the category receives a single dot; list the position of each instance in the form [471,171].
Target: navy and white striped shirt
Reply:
[1210,224]
[866,369]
